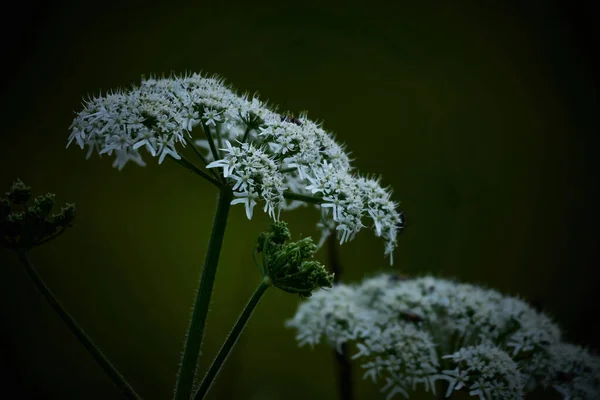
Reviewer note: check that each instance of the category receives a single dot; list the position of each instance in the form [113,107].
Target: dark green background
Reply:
[483,118]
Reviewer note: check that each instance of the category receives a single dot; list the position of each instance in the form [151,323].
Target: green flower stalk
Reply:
[33,225]
[252,153]
[287,266]
[191,352]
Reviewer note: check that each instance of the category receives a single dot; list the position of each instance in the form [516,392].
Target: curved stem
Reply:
[189,361]
[246,133]
[219,139]
[231,339]
[211,142]
[100,358]
[193,168]
[302,197]
[200,156]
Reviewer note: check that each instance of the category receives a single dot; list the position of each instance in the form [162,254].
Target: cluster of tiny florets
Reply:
[424,330]
[569,369]
[484,370]
[261,154]
[410,360]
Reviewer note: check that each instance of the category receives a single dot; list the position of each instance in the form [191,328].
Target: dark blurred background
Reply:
[483,118]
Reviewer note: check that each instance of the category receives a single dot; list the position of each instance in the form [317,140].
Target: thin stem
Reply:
[302,197]
[200,156]
[49,238]
[211,142]
[443,389]
[193,168]
[100,358]
[219,139]
[231,339]
[246,133]
[189,361]
[344,366]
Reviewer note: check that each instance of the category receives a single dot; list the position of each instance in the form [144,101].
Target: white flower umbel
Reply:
[402,354]
[486,371]
[531,330]
[331,314]
[262,155]
[570,370]
[304,162]
[478,340]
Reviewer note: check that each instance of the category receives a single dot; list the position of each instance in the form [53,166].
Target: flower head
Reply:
[418,331]
[571,370]
[262,156]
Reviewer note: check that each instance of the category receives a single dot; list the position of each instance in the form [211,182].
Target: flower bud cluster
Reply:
[289,266]
[426,329]
[24,226]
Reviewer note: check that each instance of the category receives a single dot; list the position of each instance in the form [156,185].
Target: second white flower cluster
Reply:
[425,330]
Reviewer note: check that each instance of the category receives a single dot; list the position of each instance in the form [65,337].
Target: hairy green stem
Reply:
[100,358]
[231,339]
[189,361]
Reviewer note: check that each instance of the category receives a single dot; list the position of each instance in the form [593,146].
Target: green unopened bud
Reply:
[66,215]
[278,234]
[289,266]
[14,224]
[42,205]
[19,192]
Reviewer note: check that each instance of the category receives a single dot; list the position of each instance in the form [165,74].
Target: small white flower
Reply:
[249,201]
[211,117]
[166,146]
[146,139]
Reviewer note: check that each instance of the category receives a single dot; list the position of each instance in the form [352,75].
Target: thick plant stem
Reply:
[100,358]
[231,339]
[191,352]
[344,366]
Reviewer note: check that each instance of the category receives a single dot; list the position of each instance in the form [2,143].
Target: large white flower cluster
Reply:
[263,155]
[424,330]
